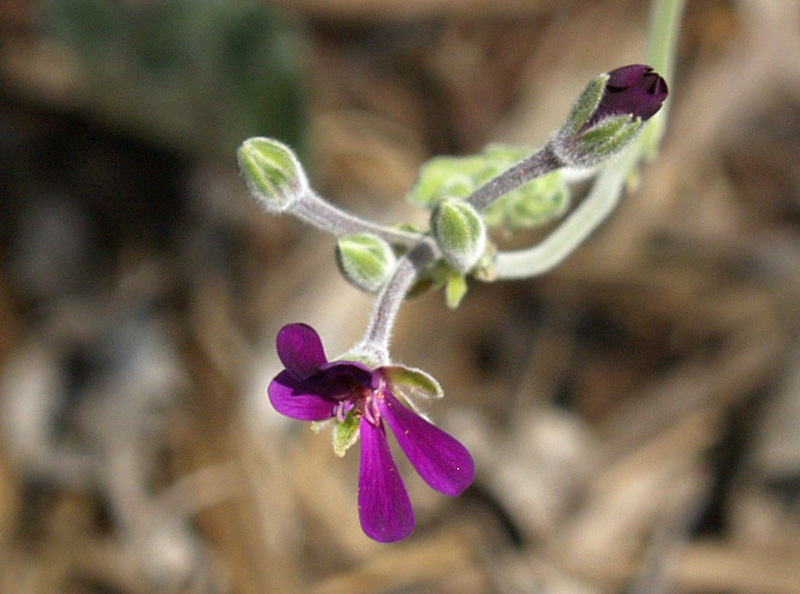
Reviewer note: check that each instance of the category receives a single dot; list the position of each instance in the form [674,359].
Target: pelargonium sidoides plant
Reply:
[364,391]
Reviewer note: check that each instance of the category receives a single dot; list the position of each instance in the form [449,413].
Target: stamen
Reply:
[369,412]
[341,409]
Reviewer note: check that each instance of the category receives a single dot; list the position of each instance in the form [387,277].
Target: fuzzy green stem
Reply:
[323,215]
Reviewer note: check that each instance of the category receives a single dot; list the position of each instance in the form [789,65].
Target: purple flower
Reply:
[313,389]
[634,89]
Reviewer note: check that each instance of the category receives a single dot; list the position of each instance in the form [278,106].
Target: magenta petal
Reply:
[634,89]
[440,459]
[300,349]
[287,395]
[383,503]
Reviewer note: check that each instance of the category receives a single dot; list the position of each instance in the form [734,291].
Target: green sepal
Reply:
[586,104]
[272,172]
[365,260]
[607,137]
[455,289]
[485,269]
[318,426]
[345,433]
[412,381]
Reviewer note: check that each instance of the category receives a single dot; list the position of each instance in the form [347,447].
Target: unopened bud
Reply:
[608,114]
[460,232]
[272,172]
[365,260]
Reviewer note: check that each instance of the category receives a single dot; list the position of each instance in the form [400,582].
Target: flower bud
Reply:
[365,260]
[460,232]
[609,113]
[272,172]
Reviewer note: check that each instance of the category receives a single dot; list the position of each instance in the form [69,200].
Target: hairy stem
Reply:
[387,305]
[541,162]
[323,215]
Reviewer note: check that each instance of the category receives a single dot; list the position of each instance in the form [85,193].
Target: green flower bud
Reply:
[460,232]
[365,260]
[272,172]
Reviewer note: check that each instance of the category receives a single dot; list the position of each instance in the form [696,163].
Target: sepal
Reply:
[600,141]
[345,434]
[454,290]
[586,105]
[412,380]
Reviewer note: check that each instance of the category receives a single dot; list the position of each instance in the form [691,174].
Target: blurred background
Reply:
[634,415]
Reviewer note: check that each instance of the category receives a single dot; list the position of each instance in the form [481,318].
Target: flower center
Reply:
[363,402]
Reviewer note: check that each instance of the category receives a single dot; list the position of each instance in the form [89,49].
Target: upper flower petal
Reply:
[289,396]
[439,458]
[383,503]
[300,349]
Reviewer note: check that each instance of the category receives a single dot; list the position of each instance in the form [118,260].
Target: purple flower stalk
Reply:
[313,389]
[636,89]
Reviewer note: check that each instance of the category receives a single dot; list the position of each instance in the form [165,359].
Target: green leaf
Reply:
[446,176]
[530,205]
[535,204]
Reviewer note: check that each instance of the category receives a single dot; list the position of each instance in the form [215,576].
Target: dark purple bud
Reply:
[634,89]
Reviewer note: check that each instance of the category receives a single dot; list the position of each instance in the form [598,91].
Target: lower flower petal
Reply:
[439,458]
[383,503]
[288,397]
